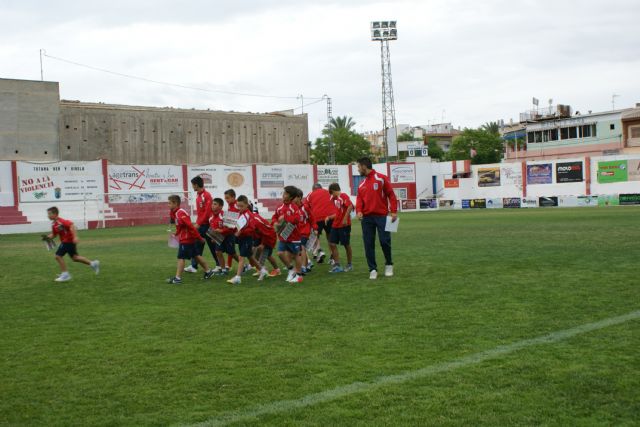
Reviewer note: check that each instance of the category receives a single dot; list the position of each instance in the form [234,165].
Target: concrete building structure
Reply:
[36,125]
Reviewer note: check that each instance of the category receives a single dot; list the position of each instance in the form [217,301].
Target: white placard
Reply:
[64,181]
[391,225]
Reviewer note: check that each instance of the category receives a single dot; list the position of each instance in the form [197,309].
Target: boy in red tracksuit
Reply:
[319,201]
[216,223]
[341,227]
[68,244]
[203,212]
[244,236]
[264,232]
[187,235]
[306,227]
[289,246]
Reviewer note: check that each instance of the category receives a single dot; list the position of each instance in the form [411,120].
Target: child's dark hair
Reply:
[175,199]
[334,187]
[300,194]
[365,161]
[243,199]
[53,210]
[218,201]
[230,192]
[198,181]
[291,191]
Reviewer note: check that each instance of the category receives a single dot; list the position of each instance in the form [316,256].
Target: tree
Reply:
[342,122]
[435,151]
[348,145]
[479,145]
[406,136]
[491,127]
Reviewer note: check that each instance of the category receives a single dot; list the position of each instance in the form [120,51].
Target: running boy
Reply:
[203,210]
[341,228]
[216,223]
[286,220]
[305,226]
[187,234]
[232,206]
[264,232]
[244,237]
[68,244]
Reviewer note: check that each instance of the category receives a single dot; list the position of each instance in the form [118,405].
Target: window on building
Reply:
[553,134]
[530,137]
[585,131]
[593,131]
[634,132]
[612,126]
[564,133]
[573,132]
[537,136]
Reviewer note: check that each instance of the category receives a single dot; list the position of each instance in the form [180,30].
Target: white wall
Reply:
[6,184]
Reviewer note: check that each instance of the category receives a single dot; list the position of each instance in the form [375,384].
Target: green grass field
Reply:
[125,348]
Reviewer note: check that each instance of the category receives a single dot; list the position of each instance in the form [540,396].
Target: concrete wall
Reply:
[144,135]
[29,120]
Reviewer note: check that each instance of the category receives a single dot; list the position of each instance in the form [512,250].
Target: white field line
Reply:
[254,412]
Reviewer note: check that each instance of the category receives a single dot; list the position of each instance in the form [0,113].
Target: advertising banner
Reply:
[428,204]
[330,174]
[300,176]
[451,183]
[489,177]
[494,203]
[401,173]
[401,193]
[270,181]
[612,171]
[539,174]
[633,171]
[569,172]
[141,178]
[409,205]
[219,178]
[446,204]
[629,199]
[529,203]
[608,200]
[64,181]
[466,204]
[511,202]
[511,174]
[568,201]
[478,203]
[587,200]
[547,202]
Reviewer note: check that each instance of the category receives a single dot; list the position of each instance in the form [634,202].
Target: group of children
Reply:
[293,232]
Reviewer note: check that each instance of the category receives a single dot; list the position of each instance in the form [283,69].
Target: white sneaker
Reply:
[263,274]
[64,277]
[96,266]
[290,275]
[373,275]
[190,269]
[235,281]
[388,270]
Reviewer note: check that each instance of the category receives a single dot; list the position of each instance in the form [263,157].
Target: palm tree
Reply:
[491,127]
[343,122]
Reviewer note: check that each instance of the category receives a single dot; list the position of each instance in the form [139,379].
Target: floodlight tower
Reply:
[384,31]
[332,148]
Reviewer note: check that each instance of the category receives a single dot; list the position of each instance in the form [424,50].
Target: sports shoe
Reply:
[349,267]
[174,281]
[331,261]
[263,273]
[224,272]
[96,266]
[296,279]
[303,271]
[190,269]
[236,280]
[337,269]
[64,277]
[373,275]
[388,270]
[291,274]
[256,274]
[321,257]
[275,272]
[209,274]
[310,266]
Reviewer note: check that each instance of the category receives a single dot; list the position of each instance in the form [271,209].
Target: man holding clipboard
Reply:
[375,201]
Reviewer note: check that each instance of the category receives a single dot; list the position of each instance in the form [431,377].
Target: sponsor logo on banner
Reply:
[410,204]
[327,175]
[466,204]
[446,204]
[401,193]
[612,171]
[511,175]
[478,203]
[494,203]
[567,201]
[546,202]
[489,177]
[633,170]
[402,173]
[569,172]
[64,181]
[300,176]
[529,203]
[629,199]
[136,178]
[451,183]
[428,203]
[218,178]
[608,200]
[272,178]
[587,200]
[539,174]
[511,202]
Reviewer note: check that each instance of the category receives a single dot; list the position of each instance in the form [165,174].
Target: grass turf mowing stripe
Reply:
[358,387]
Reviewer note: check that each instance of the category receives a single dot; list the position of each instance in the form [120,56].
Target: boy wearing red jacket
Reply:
[264,232]
[244,236]
[306,227]
[187,235]
[375,200]
[286,220]
[341,227]
[216,223]
[68,241]
[203,212]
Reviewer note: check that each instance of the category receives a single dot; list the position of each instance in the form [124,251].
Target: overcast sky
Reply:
[468,62]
